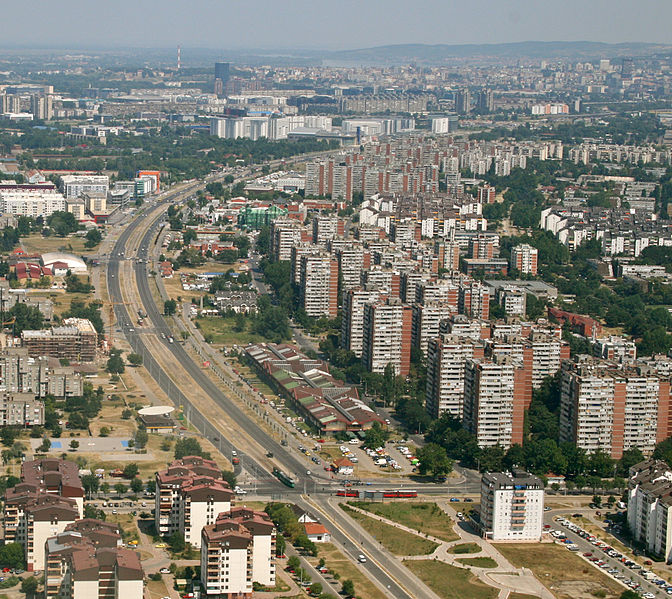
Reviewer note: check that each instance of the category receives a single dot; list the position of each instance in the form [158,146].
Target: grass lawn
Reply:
[128,524]
[478,562]
[427,518]
[521,596]
[38,244]
[566,575]
[397,541]
[464,548]
[157,589]
[221,331]
[450,582]
[338,563]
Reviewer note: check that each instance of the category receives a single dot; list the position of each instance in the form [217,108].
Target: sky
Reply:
[326,24]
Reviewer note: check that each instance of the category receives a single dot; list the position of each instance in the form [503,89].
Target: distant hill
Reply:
[439,53]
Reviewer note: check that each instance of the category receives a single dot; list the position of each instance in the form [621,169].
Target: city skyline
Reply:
[328,26]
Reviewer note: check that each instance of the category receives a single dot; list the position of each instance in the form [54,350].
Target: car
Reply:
[454,499]
[576,515]
[133,543]
[361,558]
[648,563]
[587,554]
[161,545]
[164,571]
[114,511]
[468,500]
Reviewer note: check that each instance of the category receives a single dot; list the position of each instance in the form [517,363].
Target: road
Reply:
[198,420]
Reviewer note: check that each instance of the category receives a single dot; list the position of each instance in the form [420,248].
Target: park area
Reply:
[427,518]
[449,582]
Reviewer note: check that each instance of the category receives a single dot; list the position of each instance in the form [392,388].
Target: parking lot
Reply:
[601,555]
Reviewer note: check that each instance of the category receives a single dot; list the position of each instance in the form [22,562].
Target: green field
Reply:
[464,548]
[450,582]
[478,562]
[221,331]
[394,540]
[427,518]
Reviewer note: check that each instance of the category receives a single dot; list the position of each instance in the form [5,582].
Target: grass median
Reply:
[393,539]
[426,518]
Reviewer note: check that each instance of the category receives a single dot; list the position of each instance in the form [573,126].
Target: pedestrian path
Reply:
[505,576]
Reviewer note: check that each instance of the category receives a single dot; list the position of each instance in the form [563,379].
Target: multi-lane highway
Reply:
[403,585]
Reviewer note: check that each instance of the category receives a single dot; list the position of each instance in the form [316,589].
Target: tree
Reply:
[434,460]
[131,470]
[169,307]
[91,484]
[136,485]
[105,488]
[45,446]
[29,586]
[93,238]
[74,444]
[126,413]
[315,588]
[134,359]
[629,595]
[280,545]
[141,438]
[25,317]
[187,446]
[176,542]
[376,436]
[348,587]
[293,562]
[12,556]
[120,488]
[115,364]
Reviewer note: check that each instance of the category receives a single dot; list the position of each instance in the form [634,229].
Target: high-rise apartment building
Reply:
[352,319]
[222,75]
[319,284]
[326,228]
[512,506]
[494,400]
[524,258]
[285,233]
[426,320]
[474,299]
[486,101]
[611,409]
[447,356]
[87,561]
[190,494]
[649,507]
[463,101]
[237,550]
[386,339]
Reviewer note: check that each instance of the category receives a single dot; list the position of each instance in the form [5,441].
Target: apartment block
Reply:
[21,409]
[75,186]
[386,339]
[426,322]
[352,260]
[486,194]
[352,318]
[237,550]
[650,507]
[607,408]
[447,356]
[190,494]
[326,228]
[77,340]
[285,233]
[30,200]
[524,258]
[448,253]
[319,285]
[512,506]
[474,300]
[495,400]
[87,561]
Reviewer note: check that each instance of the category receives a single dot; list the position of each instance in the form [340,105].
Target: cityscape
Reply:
[360,302]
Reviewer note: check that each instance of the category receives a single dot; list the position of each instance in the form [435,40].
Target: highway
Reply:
[138,343]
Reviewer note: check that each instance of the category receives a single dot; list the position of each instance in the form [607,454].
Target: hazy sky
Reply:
[331,24]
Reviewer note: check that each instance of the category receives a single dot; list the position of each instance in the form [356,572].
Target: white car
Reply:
[239,491]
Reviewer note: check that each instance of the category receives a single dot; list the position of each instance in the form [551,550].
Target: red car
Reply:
[587,554]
